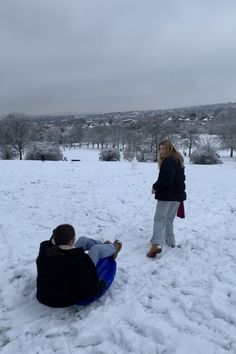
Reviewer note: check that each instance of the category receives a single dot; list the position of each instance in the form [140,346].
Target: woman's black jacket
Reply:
[170,185]
[65,278]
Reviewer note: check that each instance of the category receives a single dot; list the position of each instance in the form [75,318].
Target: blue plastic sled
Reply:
[106,269]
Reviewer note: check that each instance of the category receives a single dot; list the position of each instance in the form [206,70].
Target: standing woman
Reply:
[169,190]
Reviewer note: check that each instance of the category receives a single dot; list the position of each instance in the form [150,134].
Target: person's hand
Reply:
[153,191]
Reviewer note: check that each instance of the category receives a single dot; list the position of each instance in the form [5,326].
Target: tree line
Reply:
[137,137]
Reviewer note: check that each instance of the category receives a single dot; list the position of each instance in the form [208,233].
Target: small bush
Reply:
[205,155]
[128,155]
[109,155]
[7,153]
[145,156]
[50,152]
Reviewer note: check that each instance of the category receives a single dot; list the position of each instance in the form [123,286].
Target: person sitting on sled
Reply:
[65,272]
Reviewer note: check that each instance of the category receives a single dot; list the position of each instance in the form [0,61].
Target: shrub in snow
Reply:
[128,155]
[109,155]
[205,155]
[50,152]
[144,155]
[7,153]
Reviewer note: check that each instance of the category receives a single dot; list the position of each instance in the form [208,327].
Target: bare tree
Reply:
[156,130]
[101,134]
[17,132]
[226,130]
[228,138]
[53,134]
[72,135]
[191,138]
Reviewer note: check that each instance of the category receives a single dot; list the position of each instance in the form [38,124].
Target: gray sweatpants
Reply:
[163,223]
[96,249]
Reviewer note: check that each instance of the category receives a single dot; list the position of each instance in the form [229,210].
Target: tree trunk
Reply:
[231,152]
[189,150]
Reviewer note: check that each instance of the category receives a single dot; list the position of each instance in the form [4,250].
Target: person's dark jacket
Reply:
[65,278]
[170,185]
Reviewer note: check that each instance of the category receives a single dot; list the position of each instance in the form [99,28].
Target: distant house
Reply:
[127,120]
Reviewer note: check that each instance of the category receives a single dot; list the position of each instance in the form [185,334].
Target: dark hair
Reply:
[61,235]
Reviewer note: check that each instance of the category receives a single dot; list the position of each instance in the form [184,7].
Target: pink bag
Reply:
[180,211]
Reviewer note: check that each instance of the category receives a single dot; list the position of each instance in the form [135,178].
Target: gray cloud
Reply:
[99,55]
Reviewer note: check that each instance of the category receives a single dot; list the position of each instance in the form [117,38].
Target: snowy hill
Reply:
[183,303]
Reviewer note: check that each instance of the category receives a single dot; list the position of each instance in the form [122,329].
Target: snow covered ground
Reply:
[183,303]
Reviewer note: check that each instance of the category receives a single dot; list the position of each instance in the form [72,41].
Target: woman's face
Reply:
[162,151]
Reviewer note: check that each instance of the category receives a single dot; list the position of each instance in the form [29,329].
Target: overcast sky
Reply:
[75,56]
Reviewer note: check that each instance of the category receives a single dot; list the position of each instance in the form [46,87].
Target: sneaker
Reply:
[154,250]
[118,246]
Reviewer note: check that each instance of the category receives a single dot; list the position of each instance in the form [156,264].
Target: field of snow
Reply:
[182,303]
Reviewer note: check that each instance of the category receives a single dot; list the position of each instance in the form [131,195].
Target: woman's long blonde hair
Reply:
[170,151]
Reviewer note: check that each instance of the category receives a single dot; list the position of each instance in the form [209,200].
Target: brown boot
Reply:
[118,246]
[154,250]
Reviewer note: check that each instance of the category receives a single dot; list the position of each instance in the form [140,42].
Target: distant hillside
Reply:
[192,113]
[201,112]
